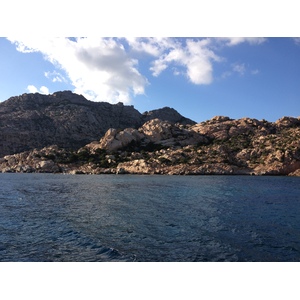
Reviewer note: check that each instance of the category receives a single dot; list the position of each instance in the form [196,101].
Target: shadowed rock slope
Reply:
[65,119]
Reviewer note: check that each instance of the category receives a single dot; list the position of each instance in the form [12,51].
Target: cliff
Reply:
[67,120]
[217,146]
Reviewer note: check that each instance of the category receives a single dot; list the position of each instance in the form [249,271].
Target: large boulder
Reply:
[114,140]
[157,130]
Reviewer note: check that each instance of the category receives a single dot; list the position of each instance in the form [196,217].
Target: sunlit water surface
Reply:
[50,217]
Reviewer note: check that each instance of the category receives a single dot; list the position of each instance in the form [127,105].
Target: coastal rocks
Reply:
[143,167]
[218,146]
[295,173]
[28,162]
[206,169]
[47,166]
[138,166]
[55,160]
[88,169]
[278,169]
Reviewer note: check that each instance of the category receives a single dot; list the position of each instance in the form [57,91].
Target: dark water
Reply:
[47,217]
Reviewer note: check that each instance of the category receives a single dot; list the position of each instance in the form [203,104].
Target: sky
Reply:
[200,77]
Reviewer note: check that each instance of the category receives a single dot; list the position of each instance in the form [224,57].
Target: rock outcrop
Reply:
[65,119]
[169,134]
[218,146]
[167,114]
[155,131]
[114,140]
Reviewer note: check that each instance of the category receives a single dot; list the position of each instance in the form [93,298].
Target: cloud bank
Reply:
[107,69]
[100,69]
[194,57]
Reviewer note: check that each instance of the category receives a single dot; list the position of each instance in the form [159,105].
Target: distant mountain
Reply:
[67,120]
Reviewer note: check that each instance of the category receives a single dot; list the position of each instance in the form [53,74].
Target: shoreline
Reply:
[115,172]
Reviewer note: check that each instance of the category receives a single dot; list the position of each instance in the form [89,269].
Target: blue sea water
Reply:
[55,217]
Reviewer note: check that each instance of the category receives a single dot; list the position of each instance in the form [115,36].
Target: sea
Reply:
[149,218]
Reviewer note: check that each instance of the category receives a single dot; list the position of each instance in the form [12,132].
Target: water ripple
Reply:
[47,217]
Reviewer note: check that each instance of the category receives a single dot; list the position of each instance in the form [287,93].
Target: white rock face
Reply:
[157,130]
[114,140]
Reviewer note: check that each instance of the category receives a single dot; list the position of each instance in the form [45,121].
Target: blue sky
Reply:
[199,77]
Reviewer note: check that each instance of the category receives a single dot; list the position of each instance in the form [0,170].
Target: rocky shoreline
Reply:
[220,146]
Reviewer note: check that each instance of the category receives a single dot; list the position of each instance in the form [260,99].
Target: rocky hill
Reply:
[217,146]
[67,120]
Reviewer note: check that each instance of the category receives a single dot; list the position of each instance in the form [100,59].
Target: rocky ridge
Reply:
[217,146]
[67,120]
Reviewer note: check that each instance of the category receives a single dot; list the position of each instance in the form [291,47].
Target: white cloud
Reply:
[233,41]
[297,40]
[158,66]
[176,72]
[154,46]
[55,76]
[255,72]
[239,68]
[226,74]
[195,57]
[98,68]
[32,89]
[43,89]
